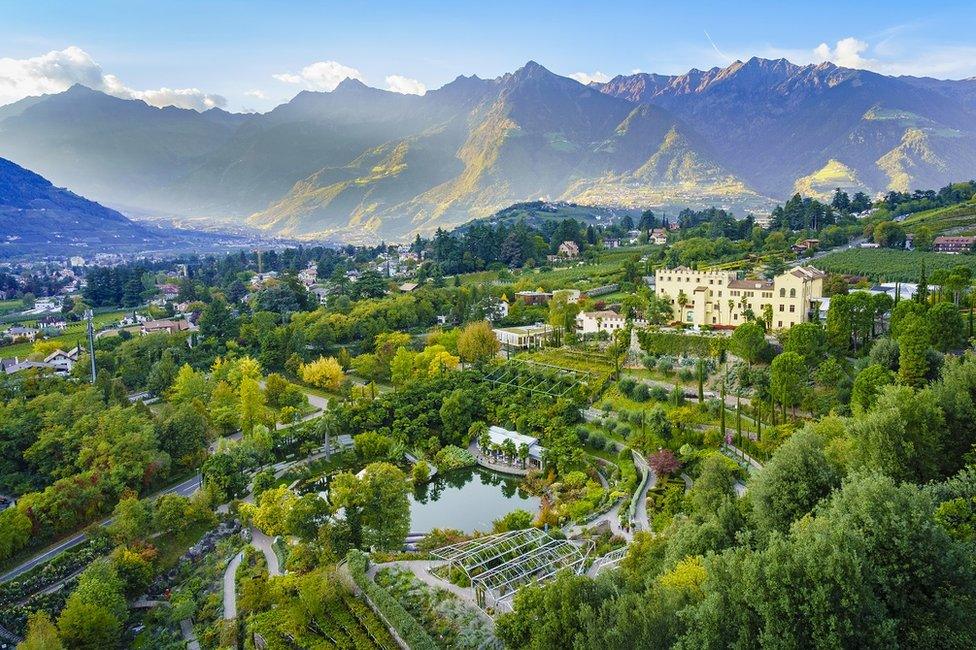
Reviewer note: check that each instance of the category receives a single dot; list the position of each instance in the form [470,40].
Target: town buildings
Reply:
[720,298]
[953,244]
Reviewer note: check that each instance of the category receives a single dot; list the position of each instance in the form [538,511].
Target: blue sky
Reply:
[251,55]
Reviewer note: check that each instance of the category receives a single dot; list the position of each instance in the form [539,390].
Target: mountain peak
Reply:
[349,84]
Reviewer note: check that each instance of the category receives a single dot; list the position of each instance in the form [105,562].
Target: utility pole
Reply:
[91,342]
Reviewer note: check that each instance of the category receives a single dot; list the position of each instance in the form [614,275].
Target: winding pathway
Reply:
[230,587]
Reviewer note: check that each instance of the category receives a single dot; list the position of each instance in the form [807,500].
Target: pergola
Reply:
[498,565]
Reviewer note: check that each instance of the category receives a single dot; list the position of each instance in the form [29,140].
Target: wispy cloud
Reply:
[58,70]
[256,94]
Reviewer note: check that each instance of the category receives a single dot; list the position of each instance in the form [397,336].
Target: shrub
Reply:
[665,366]
[627,386]
[641,393]
[451,457]
[597,441]
[582,433]
[658,393]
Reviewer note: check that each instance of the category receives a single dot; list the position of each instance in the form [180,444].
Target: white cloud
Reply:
[58,70]
[405,85]
[846,53]
[321,75]
[587,77]
[636,71]
[257,94]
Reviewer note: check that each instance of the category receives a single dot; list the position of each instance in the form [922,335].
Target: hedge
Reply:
[696,345]
[406,625]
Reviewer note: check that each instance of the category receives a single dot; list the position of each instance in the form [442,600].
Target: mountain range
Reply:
[361,164]
[37,218]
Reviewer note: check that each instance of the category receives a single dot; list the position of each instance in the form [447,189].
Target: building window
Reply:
[792,309]
[792,293]
[781,307]
[782,293]
[780,325]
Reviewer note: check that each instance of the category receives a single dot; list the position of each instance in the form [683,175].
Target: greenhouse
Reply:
[498,565]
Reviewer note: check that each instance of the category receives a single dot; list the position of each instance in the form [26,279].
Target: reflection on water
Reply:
[468,500]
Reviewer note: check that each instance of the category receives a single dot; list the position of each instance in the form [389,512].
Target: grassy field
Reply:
[889,265]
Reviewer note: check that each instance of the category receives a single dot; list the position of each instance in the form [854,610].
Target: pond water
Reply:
[468,500]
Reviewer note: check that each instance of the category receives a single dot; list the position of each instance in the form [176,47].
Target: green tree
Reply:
[903,436]
[748,342]
[946,326]
[796,478]
[41,633]
[809,340]
[477,343]
[913,345]
[131,520]
[788,379]
[182,433]
[867,387]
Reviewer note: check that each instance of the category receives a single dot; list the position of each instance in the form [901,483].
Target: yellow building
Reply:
[720,298]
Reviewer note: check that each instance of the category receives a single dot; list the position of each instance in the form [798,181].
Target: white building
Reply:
[593,322]
[523,337]
[498,436]
[77,261]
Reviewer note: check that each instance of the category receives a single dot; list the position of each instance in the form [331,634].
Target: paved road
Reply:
[185,488]
[230,587]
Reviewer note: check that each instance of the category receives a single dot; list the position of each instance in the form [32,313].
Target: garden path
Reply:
[262,542]
[230,587]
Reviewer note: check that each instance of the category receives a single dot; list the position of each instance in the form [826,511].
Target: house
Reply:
[322,294]
[611,243]
[77,261]
[62,362]
[805,245]
[168,326]
[59,362]
[720,298]
[42,305]
[496,309]
[309,275]
[633,236]
[407,287]
[18,332]
[499,436]
[169,290]
[523,337]
[538,297]
[593,322]
[659,237]
[568,249]
[52,322]
[953,244]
